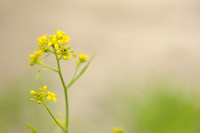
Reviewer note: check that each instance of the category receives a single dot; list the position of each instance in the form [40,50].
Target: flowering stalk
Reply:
[56,44]
[65,90]
[54,118]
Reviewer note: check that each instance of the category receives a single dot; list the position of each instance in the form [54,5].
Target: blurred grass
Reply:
[167,112]
[155,107]
[158,107]
[16,110]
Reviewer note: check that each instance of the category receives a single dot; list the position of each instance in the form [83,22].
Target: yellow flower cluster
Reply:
[35,57]
[83,58]
[42,94]
[56,44]
[118,130]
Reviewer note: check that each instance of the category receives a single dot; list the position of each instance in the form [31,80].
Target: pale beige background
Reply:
[132,40]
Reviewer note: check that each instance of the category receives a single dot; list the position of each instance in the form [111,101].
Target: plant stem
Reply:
[76,70]
[65,90]
[48,67]
[54,118]
[82,71]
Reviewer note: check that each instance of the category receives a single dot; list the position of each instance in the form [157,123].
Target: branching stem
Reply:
[65,90]
[54,117]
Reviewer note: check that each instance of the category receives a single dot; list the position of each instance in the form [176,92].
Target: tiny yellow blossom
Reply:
[74,54]
[40,52]
[42,40]
[44,88]
[54,39]
[49,98]
[118,130]
[68,47]
[40,89]
[54,99]
[58,52]
[42,94]
[35,57]
[32,92]
[83,57]
[66,57]
[32,99]
[32,56]
[49,43]
[72,51]
[65,40]
[60,34]
[35,52]
[56,46]
[31,63]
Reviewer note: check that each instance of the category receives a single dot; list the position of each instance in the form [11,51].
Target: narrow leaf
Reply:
[31,128]
[86,66]
[46,56]
[82,71]
[38,74]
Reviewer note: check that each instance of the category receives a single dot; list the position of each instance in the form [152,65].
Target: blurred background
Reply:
[145,76]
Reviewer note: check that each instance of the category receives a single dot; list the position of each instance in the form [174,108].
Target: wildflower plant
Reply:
[58,46]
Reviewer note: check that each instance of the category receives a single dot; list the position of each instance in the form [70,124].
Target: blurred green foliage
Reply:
[167,112]
[156,107]
[16,110]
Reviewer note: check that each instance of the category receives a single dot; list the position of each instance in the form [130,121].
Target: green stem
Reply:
[54,118]
[65,90]
[48,67]
[82,71]
[76,70]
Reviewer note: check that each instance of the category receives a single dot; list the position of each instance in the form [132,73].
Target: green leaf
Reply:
[86,66]
[46,56]
[38,74]
[60,131]
[31,128]
[82,71]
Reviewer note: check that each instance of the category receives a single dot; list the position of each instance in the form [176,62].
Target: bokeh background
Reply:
[145,76]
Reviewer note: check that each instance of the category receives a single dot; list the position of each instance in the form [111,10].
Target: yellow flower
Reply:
[54,99]
[41,94]
[51,96]
[44,88]
[56,46]
[118,130]
[83,57]
[66,57]
[40,53]
[58,52]
[74,54]
[32,99]
[54,39]
[60,34]
[49,43]
[42,40]
[32,92]
[65,40]
[35,57]
[32,56]
[40,89]
[68,47]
